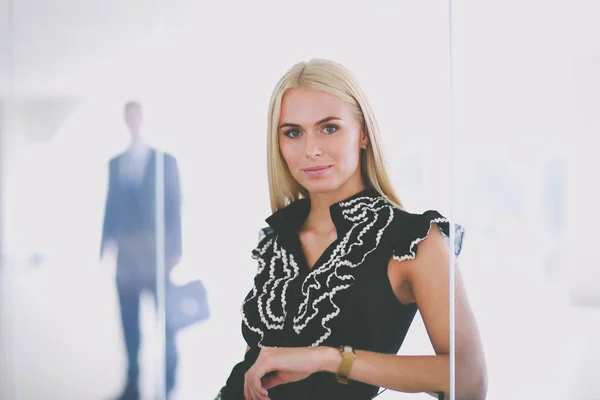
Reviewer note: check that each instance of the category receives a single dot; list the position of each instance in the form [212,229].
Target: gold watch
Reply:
[348,356]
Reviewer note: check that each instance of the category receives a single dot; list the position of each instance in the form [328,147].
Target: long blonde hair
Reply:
[332,78]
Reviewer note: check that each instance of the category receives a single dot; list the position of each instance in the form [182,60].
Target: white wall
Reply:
[521,89]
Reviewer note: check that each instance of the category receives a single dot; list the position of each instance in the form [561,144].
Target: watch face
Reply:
[347,349]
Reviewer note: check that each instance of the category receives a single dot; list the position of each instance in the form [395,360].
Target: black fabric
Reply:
[345,299]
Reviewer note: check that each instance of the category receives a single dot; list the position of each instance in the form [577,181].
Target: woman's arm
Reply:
[428,276]
[409,374]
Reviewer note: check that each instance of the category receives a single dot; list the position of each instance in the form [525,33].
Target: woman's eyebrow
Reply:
[324,120]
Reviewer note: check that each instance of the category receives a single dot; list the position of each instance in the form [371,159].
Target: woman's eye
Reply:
[292,134]
[329,129]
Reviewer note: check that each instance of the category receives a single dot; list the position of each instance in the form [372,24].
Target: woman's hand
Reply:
[275,366]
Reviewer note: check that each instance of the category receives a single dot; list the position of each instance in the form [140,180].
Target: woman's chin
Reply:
[320,187]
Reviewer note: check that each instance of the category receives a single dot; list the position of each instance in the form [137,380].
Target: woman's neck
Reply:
[319,217]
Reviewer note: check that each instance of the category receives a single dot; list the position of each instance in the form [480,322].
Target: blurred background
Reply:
[490,113]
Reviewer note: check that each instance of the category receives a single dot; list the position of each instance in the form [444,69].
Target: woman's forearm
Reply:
[409,374]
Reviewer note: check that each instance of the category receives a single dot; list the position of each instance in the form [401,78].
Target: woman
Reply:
[339,277]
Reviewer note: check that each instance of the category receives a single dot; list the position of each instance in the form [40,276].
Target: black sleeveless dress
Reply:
[345,299]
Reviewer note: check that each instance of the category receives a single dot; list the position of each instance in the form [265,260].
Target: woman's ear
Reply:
[364,141]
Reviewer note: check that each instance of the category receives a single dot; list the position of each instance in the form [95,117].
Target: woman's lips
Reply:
[317,171]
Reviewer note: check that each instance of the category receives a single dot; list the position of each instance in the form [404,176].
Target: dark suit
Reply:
[130,222]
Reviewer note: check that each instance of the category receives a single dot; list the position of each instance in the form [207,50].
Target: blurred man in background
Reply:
[130,225]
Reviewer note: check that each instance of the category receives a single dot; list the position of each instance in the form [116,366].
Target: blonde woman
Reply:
[342,267]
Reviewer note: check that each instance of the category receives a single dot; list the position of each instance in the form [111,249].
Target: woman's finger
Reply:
[249,387]
[247,392]
[256,386]
[270,381]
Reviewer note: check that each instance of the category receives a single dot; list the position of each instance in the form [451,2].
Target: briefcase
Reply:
[186,305]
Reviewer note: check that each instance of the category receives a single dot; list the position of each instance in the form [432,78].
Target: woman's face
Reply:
[320,140]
